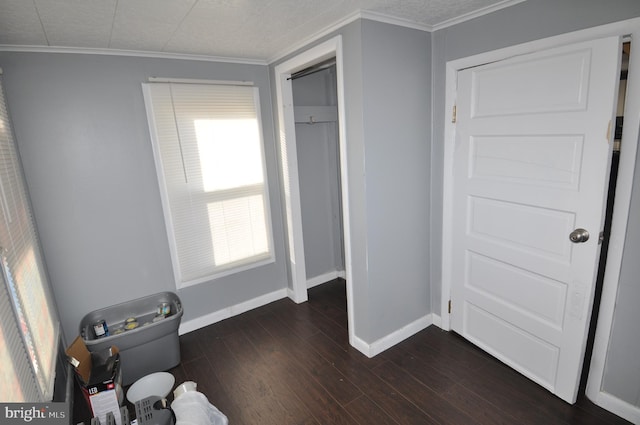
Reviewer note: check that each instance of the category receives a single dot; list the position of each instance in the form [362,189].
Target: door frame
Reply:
[289,168]
[624,181]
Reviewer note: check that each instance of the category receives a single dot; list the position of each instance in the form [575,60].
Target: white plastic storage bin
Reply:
[148,343]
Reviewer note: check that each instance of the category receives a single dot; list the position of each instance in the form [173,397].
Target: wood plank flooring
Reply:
[292,364]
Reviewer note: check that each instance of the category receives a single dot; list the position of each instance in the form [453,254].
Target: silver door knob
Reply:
[579,236]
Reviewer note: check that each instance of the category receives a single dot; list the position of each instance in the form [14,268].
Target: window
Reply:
[29,326]
[207,140]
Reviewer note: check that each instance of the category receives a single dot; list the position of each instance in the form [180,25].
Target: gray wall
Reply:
[397,98]
[527,21]
[622,366]
[387,73]
[82,132]
[318,171]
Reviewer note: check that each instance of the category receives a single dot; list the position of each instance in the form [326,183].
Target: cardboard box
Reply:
[100,378]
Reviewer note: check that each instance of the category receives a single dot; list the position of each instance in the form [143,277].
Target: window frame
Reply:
[24,281]
[233,267]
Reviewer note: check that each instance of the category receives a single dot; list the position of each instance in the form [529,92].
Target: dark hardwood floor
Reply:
[292,364]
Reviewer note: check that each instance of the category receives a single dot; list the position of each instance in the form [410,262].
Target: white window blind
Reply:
[207,140]
[29,325]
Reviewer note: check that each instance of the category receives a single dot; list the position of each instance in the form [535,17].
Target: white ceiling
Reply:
[259,30]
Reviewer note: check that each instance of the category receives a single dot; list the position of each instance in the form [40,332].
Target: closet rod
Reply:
[320,66]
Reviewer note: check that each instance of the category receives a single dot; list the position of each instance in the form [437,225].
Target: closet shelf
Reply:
[315,114]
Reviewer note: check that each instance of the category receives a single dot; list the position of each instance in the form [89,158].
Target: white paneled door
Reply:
[531,165]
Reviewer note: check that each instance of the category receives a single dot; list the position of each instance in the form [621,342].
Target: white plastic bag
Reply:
[193,408]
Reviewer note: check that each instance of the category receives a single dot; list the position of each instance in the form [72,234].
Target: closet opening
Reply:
[315,105]
[311,107]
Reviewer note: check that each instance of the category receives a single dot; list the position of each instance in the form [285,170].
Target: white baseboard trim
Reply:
[360,345]
[299,298]
[324,278]
[234,310]
[386,342]
[437,321]
[291,294]
[619,407]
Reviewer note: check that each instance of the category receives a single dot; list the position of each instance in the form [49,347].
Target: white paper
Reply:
[105,402]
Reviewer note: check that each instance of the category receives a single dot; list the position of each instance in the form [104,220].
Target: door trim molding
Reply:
[289,168]
[623,189]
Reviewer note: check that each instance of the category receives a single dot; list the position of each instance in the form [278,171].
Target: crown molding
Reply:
[360,14]
[407,23]
[475,14]
[380,17]
[132,53]
[314,37]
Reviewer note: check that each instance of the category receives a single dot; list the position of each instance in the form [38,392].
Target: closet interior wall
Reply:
[317,142]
